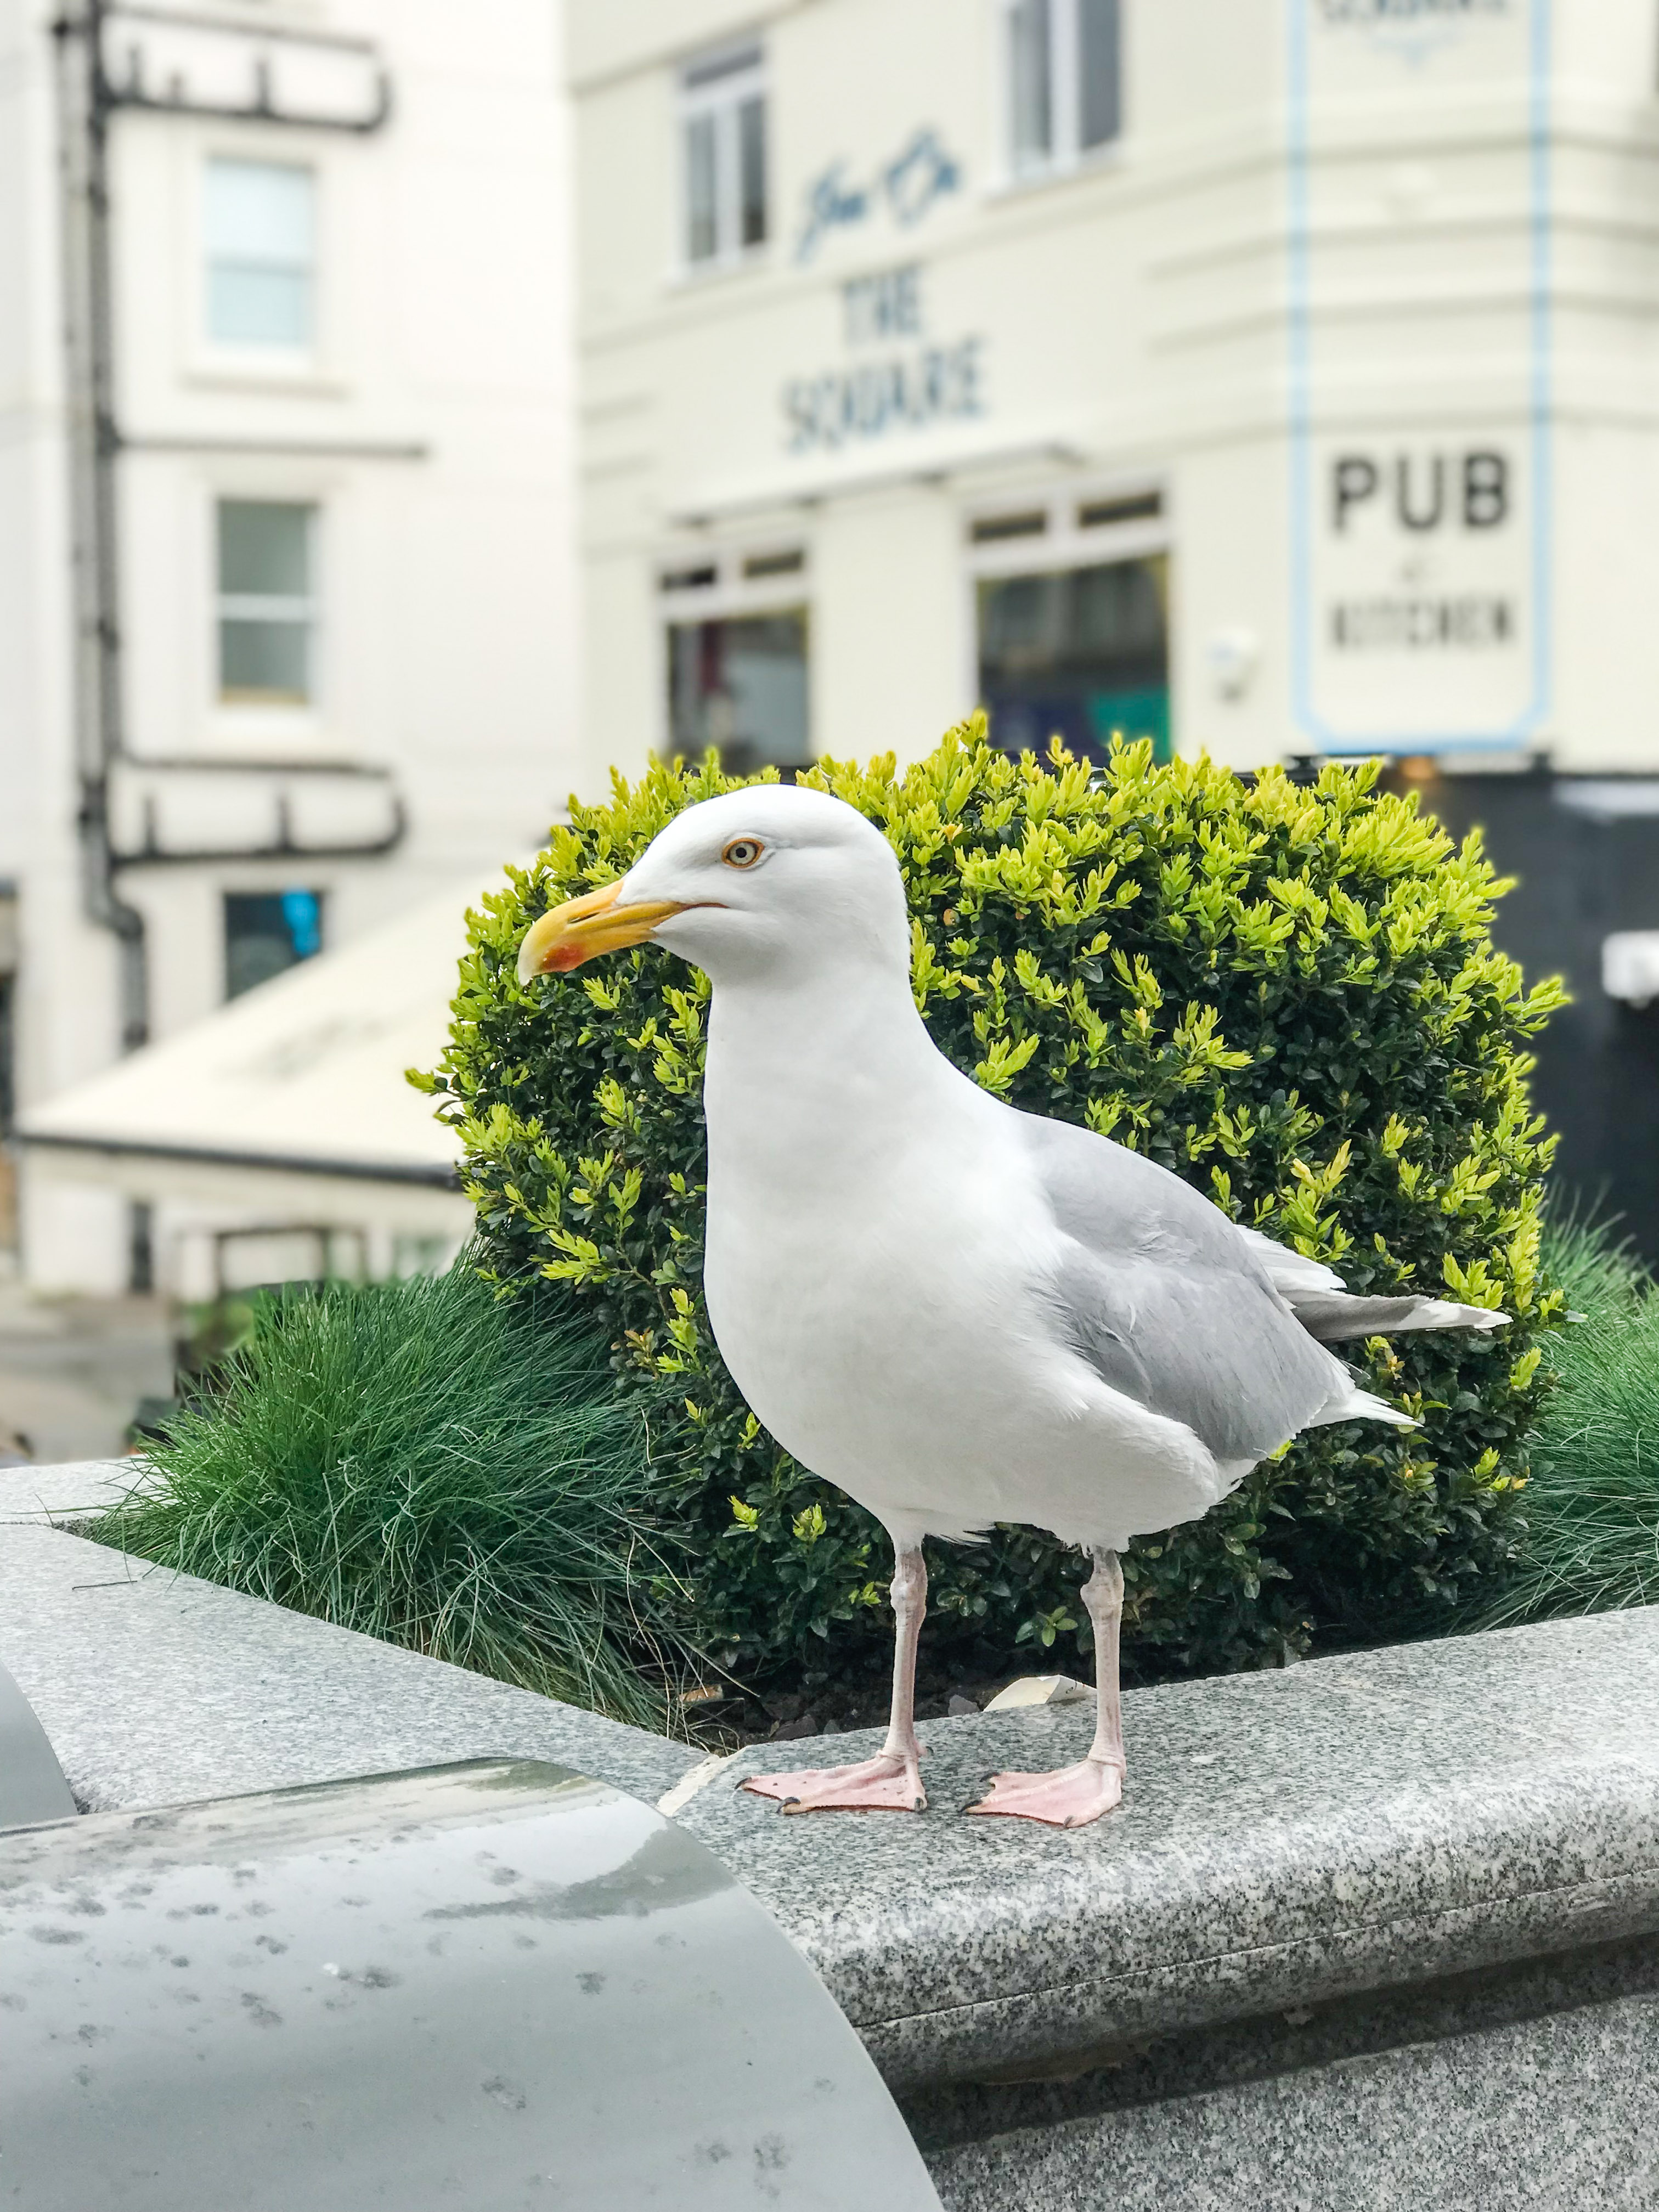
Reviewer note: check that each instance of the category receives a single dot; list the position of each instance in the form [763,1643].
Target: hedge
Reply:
[1285,992]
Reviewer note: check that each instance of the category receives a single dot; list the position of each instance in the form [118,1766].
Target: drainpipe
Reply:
[84,106]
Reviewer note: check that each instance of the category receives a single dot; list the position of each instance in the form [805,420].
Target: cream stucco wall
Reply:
[1413,238]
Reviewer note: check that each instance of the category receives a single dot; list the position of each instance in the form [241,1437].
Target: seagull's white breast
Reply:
[879,1302]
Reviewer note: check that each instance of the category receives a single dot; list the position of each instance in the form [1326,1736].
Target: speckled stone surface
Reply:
[1380,1930]
[62,1492]
[1346,1825]
[1270,2048]
[1555,2112]
[154,1688]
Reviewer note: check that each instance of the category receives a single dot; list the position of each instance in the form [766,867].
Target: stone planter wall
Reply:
[1377,1931]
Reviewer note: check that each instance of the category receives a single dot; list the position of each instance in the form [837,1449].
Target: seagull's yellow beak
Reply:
[568,934]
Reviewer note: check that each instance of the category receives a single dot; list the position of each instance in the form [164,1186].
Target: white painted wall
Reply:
[1479,273]
[446,579]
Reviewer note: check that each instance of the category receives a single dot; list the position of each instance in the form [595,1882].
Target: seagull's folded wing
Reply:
[1156,1290]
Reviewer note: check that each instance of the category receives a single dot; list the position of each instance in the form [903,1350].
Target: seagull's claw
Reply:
[1071,1797]
[889,1784]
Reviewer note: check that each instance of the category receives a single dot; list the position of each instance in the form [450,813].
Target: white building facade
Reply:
[285,552]
[1274,378]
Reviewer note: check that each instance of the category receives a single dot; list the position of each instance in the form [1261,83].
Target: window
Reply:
[260,233]
[723,126]
[736,633]
[267,617]
[1131,506]
[1080,653]
[270,1258]
[1065,79]
[788,563]
[8,1066]
[414,1253]
[8,1033]
[996,529]
[267,932]
[739,684]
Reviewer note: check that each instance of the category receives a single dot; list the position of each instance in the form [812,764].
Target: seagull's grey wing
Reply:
[1157,1291]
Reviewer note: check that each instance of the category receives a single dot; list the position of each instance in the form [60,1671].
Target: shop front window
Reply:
[1078,653]
[739,684]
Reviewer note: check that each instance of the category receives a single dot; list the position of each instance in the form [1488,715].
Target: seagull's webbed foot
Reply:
[889,1784]
[1070,1797]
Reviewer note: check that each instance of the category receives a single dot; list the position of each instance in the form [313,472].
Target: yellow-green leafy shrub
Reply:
[1286,994]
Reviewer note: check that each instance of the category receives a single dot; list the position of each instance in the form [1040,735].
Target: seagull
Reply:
[959,1313]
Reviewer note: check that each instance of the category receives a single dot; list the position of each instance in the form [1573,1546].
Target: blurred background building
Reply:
[285,609]
[1267,377]
[1272,378]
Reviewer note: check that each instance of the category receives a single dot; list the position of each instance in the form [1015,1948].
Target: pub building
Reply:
[1267,378]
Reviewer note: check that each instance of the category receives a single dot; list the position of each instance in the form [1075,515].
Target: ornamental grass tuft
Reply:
[1287,992]
[1592,1503]
[425,1462]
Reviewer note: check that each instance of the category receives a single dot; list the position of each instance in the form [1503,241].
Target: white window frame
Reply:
[1063,543]
[720,98]
[268,606]
[730,590]
[1065,151]
[728,595]
[275,355]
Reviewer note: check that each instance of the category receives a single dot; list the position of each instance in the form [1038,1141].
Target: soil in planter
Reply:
[818,1702]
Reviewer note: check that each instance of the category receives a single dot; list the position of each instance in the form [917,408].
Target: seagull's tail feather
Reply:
[1330,1312]
[1353,1404]
[1331,1316]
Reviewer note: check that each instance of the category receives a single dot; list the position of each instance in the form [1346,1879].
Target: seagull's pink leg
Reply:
[1074,1795]
[891,1781]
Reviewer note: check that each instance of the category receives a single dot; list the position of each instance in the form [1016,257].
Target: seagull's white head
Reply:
[771,882]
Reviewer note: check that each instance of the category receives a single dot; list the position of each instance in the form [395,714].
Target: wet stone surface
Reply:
[156,1688]
[1369,1823]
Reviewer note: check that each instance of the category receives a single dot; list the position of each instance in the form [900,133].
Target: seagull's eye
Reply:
[743,852]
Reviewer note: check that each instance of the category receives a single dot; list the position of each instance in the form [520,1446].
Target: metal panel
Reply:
[32,1785]
[475,1987]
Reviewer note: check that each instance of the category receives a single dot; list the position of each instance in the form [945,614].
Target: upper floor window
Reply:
[1066,79]
[723,137]
[260,235]
[267,612]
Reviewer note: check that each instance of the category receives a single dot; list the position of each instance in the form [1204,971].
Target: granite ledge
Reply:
[156,1688]
[1152,2070]
[68,1491]
[1372,1821]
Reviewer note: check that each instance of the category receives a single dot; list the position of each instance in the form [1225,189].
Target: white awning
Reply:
[304,1074]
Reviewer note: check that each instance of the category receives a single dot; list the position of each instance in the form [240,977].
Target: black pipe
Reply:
[87,99]
[94,441]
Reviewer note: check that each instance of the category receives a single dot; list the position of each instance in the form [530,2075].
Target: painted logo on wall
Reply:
[897,378]
[1420,579]
[922,173]
[1374,14]
[1411,29]
[1420,538]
